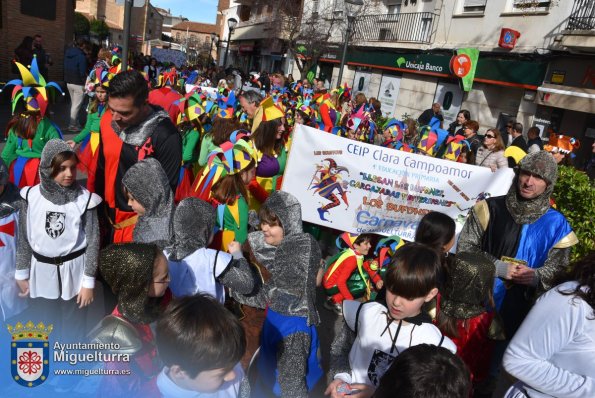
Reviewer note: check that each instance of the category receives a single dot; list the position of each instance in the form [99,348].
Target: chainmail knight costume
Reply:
[61,199]
[289,341]
[524,229]
[193,267]
[147,183]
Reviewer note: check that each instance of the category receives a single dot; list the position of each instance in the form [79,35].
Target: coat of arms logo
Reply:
[30,353]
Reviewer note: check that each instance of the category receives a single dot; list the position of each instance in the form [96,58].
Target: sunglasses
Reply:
[508,127]
[490,136]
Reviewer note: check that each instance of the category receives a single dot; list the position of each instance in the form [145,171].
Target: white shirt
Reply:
[198,272]
[229,389]
[371,356]
[553,352]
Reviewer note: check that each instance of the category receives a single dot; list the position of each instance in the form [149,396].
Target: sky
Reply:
[194,10]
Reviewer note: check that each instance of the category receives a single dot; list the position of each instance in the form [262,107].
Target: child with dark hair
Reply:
[59,242]
[288,364]
[342,270]
[382,332]
[436,230]
[200,343]
[465,312]
[425,371]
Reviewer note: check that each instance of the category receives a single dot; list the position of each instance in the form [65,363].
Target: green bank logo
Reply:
[401,61]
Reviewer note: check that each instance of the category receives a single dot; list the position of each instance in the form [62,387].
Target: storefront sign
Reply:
[389,90]
[464,65]
[558,77]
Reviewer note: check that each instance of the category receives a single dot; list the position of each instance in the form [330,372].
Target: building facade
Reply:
[401,51]
[36,17]
[145,24]
[195,38]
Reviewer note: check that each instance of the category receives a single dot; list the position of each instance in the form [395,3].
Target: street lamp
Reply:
[352,7]
[214,37]
[231,24]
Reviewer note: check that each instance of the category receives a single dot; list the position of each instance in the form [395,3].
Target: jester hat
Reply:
[386,248]
[431,139]
[454,147]
[98,77]
[191,106]
[562,144]
[396,128]
[31,89]
[229,158]
[346,239]
[342,91]
[169,77]
[269,112]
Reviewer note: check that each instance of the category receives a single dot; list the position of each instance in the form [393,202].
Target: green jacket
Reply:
[92,125]
[13,149]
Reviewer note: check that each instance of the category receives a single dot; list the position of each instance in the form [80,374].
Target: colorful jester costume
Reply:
[23,154]
[327,183]
[229,159]
[341,281]
[89,136]
[269,166]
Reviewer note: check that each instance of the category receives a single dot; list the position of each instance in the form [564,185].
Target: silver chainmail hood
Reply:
[49,188]
[137,135]
[292,288]
[193,225]
[527,211]
[289,213]
[148,184]
[10,200]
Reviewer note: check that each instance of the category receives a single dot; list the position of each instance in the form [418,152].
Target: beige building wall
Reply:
[416,94]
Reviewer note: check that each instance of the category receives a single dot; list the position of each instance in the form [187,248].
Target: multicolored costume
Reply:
[230,158]
[341,281]
[22,155]
[89,137]
[326,182]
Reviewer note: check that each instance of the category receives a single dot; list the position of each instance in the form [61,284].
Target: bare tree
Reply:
[305,27]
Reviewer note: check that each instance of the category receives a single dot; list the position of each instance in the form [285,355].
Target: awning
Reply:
[566,97]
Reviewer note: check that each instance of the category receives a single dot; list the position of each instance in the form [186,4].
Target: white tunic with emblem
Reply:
[54,231]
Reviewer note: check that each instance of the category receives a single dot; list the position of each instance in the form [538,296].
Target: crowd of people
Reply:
[182,248]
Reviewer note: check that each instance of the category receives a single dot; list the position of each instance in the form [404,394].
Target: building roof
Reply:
[198,27]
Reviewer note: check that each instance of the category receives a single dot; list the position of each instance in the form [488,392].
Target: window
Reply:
[338,7]
[394,6]
[530,5]
[474,5]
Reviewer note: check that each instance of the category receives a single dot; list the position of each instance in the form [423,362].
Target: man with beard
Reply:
[527,240]
[132,130]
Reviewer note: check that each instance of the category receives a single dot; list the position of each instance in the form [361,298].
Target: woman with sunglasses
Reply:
[491,153]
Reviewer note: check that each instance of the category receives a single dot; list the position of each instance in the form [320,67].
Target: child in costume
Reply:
[193,267]
[89,137]
[59,242]
[270,146]
[223,183]
[464,312]
[373,334]
[200,343]
[339,281]
[150,196]
[10,203]
[137,274]
[287,364]
[28,130]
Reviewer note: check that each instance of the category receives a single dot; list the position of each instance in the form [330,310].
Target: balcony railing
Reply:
[582,16]
[403,27]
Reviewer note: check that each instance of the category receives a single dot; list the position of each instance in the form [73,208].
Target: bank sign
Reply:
[423,63]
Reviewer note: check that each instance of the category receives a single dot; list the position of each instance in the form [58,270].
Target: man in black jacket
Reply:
[75,73]
[517,140]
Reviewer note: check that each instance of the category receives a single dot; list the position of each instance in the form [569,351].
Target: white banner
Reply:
[357,187]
